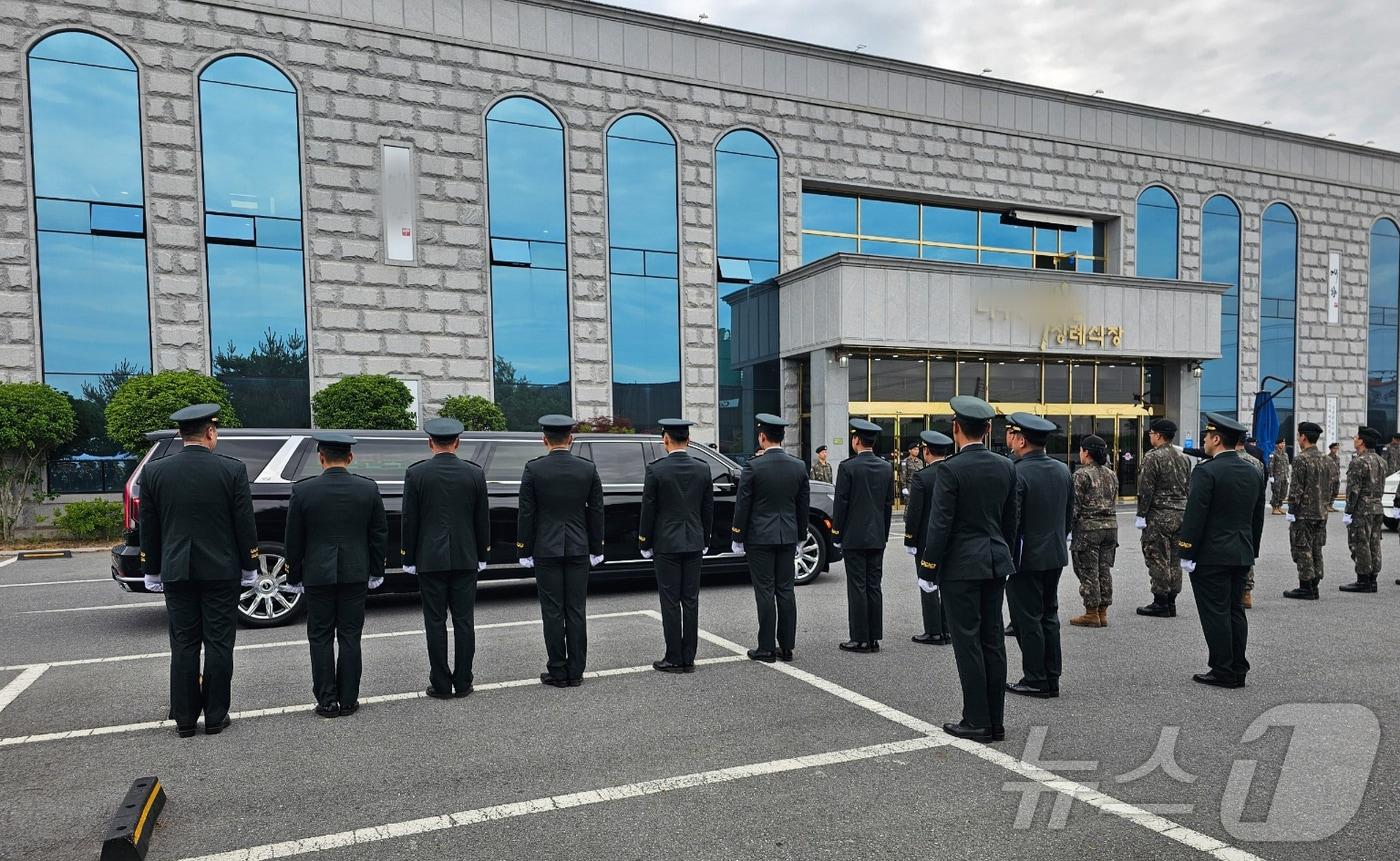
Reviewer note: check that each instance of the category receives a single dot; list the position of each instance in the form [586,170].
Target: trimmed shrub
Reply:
[143,404]
[91,519]
[474,412]
[34,420]
[364,402]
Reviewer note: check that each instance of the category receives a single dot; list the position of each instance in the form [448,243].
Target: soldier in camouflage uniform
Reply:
[1162,481]
[1365,487]
[1259,465]
[1308,501]
[1094,532]
[1334,469]
[1278,474]
[911,464]
[821,470]
[1392,454]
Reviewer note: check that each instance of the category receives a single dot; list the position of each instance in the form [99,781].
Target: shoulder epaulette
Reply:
[416,462]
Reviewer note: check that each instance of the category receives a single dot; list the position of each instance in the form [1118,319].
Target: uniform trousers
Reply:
[1034,601]
[772,569]
[562,583]
[335,615]
[865,602]
[1219,591]
[931,605]
[201,613]
[678,585]
[979,646]
[447,592]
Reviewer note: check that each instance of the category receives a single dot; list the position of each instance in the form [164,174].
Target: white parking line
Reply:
[411,827]
[384,635]
[8,561]
[19,683]
[52,582]
[87,609]
[1092,797]
[16,741]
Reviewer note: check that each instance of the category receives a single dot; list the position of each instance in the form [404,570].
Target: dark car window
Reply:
[619,462]
[506,460]
[717,469]
[379,459]
[255,453]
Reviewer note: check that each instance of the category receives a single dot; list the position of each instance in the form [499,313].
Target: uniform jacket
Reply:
[907,468]
[1310,486]
[972,517]
[336,530]
[916,514]
[1045,509]
[864,502]
[446,515]
[1224,512]
[774,500]
[1252,461]
[1365,484]
[678,505]
[821,472]
[1278,467]
[561,508]
[1334,469]
[1392,458]
[1162,481]
[197,517]
[1095,499]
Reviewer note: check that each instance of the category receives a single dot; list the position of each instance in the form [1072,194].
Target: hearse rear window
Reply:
[255,453]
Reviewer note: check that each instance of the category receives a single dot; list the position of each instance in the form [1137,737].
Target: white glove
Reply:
[296,588]
[595,561]
[912,551]
[926,586]
[375,583]
[411,569]
[1069,537]
[1290,517]
[736,546]
[527,562]
[480,566]
[1188,566]
[646,554]
[1346,519]
[152,582]
[836,544]
[1140,522]
[905,491]
[249,578]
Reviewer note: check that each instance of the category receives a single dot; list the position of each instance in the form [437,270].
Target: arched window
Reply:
[1278,308]
[1381,364]
[746,248]
[94,302]
[645,270]
[1156,233]
[253,240]
[529,261]
[1220,263]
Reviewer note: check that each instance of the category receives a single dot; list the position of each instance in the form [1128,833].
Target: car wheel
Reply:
[269,602]
[811,556]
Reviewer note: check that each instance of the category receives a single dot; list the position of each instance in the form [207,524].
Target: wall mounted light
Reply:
[1196,370]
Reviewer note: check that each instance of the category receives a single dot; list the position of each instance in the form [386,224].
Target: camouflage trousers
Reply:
[1279,493]
[1364,539]
[1092,552]
[1306,539]
[1160,552]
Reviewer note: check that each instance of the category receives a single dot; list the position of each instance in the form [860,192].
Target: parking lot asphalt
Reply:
[835,755]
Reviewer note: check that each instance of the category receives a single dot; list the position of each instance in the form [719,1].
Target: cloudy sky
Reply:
[1310,66]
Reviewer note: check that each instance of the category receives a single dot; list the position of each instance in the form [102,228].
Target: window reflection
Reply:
[1220,263]
[529,278]
[257,286]
[1156,233]
[746,233]
[1384,310]
[94,320]
[1278,281]
[642,216]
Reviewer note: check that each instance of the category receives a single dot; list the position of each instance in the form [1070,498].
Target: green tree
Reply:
[143,404]
[364,402]
[524,402]
[475,413]
[268,383]
[34,420]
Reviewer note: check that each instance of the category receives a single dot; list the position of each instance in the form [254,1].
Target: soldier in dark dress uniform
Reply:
[935,448]
[446,543]
[967,554]
[199,545]
[770,518]
[864,507]
[559,533]
[337,538]
[1219,541]
[1045,506]
[678,516]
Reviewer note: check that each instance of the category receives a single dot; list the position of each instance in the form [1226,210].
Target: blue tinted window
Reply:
[1278,282]
[998,235]
[1156,233]
[1384,337]
[816,246]
[889,249]
[888,219]
[623,261]
[251,152]
[833,213]
[1220,263]
[94,319]
[642,216]
[529,283]
[954,226]
[952,255]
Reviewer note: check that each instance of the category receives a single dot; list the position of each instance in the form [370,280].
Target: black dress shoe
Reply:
[760,655]
[924,639]
[1304,592]
[462,692]
[218,727]
[667,667]
[874,645]
[186,731]
[997,733]
[575,683]
[329,710]
[785,655]
[347,710]
[975,733]
[1026,690]
[553,681]
[437,694]
[1159,608]
[1212,679]
[854,646]
[688,668]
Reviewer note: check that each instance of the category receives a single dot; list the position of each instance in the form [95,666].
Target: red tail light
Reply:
[131,504]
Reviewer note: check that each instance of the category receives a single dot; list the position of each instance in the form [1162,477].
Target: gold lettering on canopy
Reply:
[1058,313]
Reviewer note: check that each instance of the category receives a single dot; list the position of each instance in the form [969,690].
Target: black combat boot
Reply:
[1361,585]
[1159,607]
[1306,591]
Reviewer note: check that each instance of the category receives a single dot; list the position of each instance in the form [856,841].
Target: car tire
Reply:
[268,603]
[811,556]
